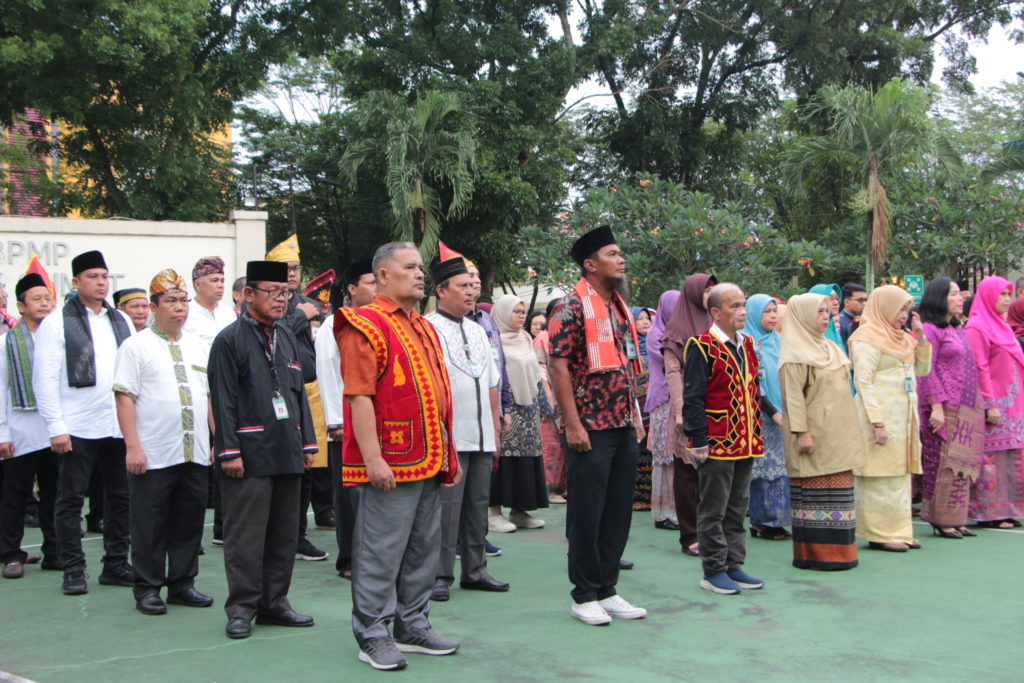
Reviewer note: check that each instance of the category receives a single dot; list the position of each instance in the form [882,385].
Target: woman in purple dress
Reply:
[951,418]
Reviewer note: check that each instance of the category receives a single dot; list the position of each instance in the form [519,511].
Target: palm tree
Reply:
[1012,161]
[424,148]
[877,131]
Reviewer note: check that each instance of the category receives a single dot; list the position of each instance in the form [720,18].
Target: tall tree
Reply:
[143,88]
[427,149]
[877,131]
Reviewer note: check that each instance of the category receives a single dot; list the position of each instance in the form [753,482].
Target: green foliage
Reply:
[139,88]
[667,233]
[424,148]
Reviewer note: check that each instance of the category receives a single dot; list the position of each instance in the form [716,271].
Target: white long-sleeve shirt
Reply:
[472,373]
[86,412]
[328,374]
[206,325]
[25,428]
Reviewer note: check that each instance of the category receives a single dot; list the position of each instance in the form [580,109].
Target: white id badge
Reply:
[630,349]
[908,379]
[280,409]
[494,353]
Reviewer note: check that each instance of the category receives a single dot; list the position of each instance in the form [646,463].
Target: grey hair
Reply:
[717,293]
[386,252]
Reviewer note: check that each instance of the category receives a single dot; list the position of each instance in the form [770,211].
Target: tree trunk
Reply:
[869,269]
[533,297]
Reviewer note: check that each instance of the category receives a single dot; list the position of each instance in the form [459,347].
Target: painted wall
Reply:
[135,251]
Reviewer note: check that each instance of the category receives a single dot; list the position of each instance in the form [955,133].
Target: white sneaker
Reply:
[500,525]
[524,520]
[591,613]
[619,608]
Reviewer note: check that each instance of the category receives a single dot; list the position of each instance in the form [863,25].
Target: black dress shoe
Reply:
[50,564]
[238,628]
[625,564]
[485,584]
[286,618]
[440,593]
[190,597]
[667,524]
[151,604]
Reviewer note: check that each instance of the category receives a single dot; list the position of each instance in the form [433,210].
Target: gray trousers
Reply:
[394,557]
[464,519]
[261,531]
[724,496]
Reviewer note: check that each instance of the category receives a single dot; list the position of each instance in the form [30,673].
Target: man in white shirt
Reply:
[163,408]
[72,378]
[474,379]
[207,316]
[359,287]
[25,453]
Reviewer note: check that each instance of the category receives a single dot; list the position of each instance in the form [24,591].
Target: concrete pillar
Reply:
[250,237]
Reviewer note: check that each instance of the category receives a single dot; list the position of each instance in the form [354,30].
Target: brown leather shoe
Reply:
[14,570]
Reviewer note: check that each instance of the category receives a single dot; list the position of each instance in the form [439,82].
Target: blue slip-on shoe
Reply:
[745,580]
[720,583]
[491,550]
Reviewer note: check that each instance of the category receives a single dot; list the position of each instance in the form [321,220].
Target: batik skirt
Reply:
[824,529]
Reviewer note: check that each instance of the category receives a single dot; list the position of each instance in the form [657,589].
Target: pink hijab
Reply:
[988,321]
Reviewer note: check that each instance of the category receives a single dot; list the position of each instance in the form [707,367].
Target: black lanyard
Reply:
[268,355]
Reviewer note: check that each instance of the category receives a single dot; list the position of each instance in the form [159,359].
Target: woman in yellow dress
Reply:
[886,362]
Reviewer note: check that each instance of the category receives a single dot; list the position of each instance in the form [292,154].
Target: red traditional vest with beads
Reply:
[413,440]
[732,404]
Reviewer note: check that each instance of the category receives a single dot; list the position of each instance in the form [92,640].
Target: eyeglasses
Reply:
[861,300]
[274,293]
[518,312]
[294,269]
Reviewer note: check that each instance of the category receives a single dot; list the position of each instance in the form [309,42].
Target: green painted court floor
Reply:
[953,610]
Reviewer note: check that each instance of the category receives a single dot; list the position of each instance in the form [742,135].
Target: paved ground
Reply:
[950,611]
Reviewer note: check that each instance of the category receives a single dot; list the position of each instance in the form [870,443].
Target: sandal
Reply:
[966,532]
[952,532]
[693,550]
[769,533]
[890,547]
[997,524]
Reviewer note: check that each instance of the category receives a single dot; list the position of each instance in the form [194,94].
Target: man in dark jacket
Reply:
[264,441]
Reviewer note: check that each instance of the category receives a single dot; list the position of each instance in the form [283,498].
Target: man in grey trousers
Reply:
[397,452]
[474,379]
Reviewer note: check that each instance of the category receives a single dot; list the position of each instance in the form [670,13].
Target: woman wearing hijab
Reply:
[769,486]
[821,450]
[643,318]
[835,297]
[886,360]
[519,483]
[690,318]
[1015,318]
[997,496]
[952,422]
[554,453]
[663,504]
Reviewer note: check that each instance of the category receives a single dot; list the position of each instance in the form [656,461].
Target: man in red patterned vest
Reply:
[397,452]
[722,406]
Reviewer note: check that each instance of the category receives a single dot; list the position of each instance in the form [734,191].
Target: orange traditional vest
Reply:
[732,404]
[413,441]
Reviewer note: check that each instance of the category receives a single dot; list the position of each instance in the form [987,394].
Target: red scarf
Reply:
[599,331]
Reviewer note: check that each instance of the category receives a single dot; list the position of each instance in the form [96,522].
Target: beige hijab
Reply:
[520,359]
[875,329]
[801,341]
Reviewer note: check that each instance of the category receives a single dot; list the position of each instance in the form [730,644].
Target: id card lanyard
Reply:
[280,407]
[908,377]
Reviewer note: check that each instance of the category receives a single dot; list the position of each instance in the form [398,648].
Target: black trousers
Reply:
[168,508]
[344,509]
[95,514]
[261,531]
[76,468]
[686,489]
[315,482]
[599,511]
[18,476]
